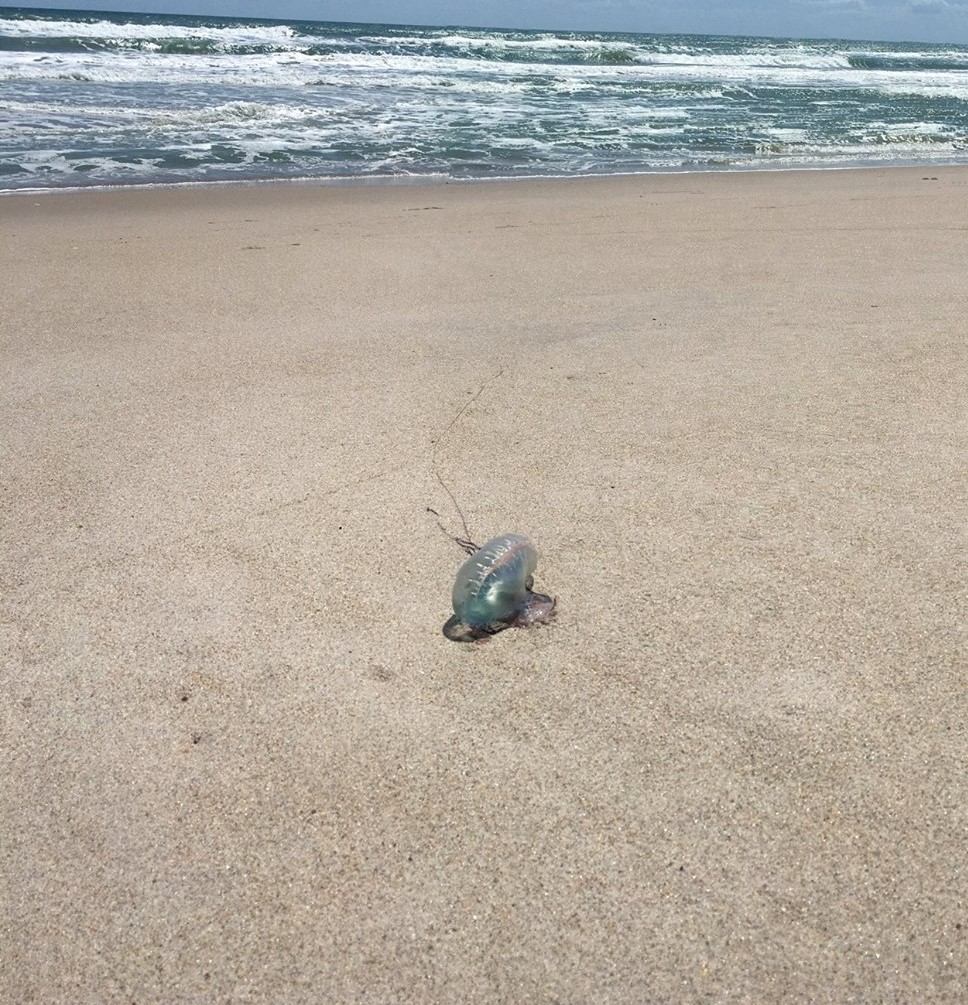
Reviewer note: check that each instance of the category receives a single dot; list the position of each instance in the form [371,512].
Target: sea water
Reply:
[105,99]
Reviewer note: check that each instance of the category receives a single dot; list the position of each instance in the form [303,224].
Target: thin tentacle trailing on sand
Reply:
[493,591]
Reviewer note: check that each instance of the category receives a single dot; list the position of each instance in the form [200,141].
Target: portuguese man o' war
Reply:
[493,591]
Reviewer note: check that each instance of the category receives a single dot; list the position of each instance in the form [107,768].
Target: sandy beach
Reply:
[241,761]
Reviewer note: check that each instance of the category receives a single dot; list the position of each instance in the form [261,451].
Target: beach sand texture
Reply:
[242,764]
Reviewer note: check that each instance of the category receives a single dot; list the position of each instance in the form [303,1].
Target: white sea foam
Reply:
[231,35]
[296,68]
[272,100]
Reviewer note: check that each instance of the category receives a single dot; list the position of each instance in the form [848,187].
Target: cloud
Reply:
[858,6]
[871,6]
[936,7]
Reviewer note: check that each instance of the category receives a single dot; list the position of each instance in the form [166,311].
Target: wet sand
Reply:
[242,763]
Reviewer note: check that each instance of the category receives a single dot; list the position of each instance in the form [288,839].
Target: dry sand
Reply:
[240,761]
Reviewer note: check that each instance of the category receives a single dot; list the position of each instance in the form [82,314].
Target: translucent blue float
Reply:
[492,591]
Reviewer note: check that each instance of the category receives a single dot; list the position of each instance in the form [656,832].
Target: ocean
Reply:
[118,99]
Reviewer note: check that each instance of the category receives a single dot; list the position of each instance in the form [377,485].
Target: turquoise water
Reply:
[91,98]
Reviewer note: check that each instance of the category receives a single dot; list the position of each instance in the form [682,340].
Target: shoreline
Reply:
[423,181]
[243,761]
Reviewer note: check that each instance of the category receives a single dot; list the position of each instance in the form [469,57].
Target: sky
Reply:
[891,20]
